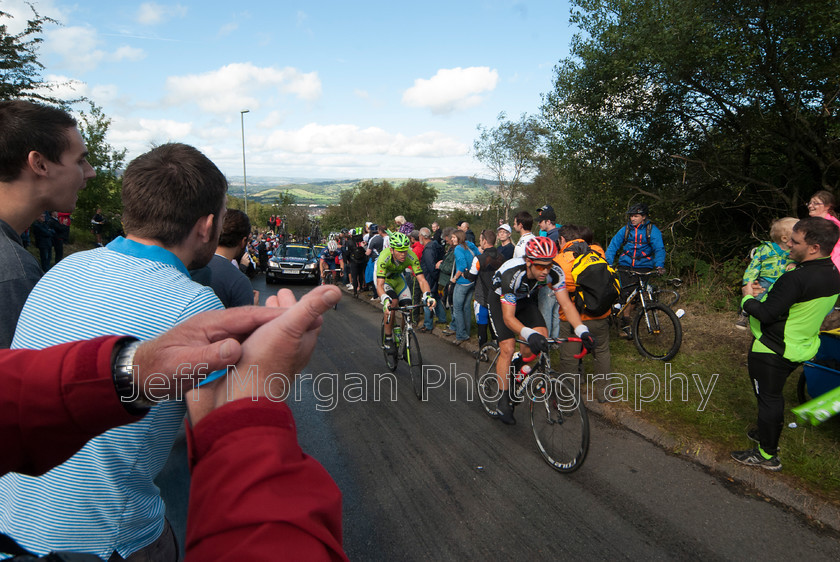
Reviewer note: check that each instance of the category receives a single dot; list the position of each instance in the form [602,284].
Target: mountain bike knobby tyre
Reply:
[415,363]
[657,331]
[390,358]
[486,381]
[561,424]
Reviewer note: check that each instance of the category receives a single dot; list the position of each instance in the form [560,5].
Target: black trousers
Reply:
[768,374]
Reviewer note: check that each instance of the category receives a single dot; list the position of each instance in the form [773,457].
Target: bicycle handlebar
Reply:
[556,341]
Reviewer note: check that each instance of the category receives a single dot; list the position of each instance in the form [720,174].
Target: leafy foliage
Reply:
[105,189]
[509,151]
[721,115]
[20,69]
[380,203]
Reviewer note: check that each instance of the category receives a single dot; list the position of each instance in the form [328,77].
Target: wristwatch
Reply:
[122,369]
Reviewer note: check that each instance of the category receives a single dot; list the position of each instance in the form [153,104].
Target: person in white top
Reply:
[522,224]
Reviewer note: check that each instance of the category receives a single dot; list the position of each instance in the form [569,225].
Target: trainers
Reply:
[626,333]
[504,410]
[389,347]
[753,457]
[349,286]
[743,321]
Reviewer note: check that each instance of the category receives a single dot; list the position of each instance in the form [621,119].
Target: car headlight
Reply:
[310,266]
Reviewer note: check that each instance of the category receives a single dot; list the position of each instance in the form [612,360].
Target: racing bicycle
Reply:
[654,326]
[405,347]
[559,419]
[331,277]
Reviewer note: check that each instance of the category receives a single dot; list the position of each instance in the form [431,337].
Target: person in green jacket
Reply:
[785,322]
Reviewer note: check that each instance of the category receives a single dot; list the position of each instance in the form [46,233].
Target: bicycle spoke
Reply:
[657,332]
[561,425]
[486,381]
[415,364]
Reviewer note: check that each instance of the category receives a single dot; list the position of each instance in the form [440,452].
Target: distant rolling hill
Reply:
[457,189]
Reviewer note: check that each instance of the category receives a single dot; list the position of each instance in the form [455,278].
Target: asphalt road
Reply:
[440,480]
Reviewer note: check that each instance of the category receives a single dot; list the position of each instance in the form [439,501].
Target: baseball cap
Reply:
[546,213]
[505,227]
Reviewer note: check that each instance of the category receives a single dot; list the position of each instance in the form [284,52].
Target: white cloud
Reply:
[352,140]
[235,87]
[228,28]
[152,13]
[451,89]
[79,48]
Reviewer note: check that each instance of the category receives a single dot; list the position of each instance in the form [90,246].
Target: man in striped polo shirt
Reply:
[103,500]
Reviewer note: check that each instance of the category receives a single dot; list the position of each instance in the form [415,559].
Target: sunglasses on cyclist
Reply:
[540,266]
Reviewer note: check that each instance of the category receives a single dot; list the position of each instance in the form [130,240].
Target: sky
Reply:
[333,89]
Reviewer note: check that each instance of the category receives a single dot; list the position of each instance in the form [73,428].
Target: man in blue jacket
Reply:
[639,247]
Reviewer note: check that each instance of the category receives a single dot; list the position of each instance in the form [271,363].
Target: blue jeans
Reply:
[429,315]
[462,310]
[550,309]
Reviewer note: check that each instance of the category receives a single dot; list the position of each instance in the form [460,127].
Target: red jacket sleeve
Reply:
[54,400]
[255,494]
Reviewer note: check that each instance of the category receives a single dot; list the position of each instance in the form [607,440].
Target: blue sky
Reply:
[334,89]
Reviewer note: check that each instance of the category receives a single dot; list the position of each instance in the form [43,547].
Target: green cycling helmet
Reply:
[399,241]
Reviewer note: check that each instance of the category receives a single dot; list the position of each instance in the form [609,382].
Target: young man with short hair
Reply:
[786,324]
[43,166]
[523,222]
[103,500]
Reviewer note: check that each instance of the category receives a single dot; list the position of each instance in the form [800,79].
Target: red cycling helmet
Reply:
[540,248]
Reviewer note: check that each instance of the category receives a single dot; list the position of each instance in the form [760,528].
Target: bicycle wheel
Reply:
[561,424]
[657,332]
[486,381]
[415,364]
[390,358]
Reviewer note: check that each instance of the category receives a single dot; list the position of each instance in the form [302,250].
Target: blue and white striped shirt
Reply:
[104,497]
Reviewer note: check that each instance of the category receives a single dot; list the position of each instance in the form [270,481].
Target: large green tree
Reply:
[105,189]
[721,114]
[380,202]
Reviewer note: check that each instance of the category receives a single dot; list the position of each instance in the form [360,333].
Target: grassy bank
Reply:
[713,362]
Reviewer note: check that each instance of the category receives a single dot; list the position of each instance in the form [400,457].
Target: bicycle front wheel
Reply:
[657,332]
[390,356]
[561,424]
[415,364]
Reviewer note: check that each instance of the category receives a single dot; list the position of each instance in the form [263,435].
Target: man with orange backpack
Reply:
[593,287]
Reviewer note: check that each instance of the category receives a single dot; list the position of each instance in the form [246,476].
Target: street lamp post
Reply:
[244,177]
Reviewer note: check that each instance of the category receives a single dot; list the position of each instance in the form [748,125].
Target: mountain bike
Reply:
[559,419]
[405,347]
[655,327]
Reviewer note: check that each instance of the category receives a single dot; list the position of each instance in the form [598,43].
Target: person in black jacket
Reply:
[785,323]
[61,235]
[43,239]
[433,253]
[481,271]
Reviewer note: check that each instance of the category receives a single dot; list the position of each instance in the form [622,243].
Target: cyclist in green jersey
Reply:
[390,284]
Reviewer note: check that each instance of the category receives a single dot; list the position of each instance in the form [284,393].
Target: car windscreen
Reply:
[295,252]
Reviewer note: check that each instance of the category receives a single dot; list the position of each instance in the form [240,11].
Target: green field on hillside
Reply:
[460,189]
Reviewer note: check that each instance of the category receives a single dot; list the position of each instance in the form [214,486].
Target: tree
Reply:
[510,152]
[722,115]
[104,190]
[20,69]
[380,203]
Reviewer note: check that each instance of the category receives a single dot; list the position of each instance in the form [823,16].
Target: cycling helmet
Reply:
[638,209]
[399,241]
[540,248]
[332,246]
